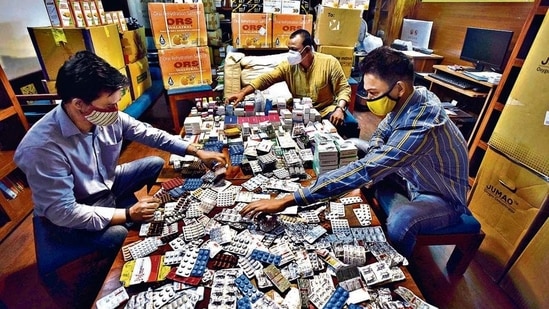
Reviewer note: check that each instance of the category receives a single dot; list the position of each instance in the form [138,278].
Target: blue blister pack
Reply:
[265,257]
[338,299]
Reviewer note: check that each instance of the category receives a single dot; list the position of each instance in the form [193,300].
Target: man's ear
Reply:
[401,88]
[78,103]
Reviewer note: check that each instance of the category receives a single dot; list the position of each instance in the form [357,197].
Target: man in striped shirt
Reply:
[416,143]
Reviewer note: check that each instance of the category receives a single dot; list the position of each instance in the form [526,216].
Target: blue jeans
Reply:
[407,218]
[57,245]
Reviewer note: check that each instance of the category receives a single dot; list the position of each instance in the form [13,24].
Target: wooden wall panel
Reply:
[450,21]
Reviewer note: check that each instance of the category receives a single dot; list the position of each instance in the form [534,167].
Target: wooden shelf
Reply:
[5,113]
[17,209]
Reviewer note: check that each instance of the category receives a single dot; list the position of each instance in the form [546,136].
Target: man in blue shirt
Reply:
[81,196]
[416,142]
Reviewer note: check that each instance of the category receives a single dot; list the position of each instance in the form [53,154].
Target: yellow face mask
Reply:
[383,104]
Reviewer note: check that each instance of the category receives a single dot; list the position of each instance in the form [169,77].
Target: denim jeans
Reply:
[59,245]
[407,218]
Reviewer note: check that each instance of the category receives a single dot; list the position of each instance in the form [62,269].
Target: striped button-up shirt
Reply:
[418,142]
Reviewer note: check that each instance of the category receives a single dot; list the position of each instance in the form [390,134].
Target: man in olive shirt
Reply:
[307,74]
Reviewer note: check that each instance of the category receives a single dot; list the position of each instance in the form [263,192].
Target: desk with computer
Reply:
[473,87]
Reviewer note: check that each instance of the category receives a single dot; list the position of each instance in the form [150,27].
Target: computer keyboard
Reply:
[453,80]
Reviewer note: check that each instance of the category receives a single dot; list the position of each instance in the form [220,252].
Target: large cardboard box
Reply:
[140,77]
[183,67]
[522,131]
[134,45]
[56,45]
[126,98]
[527,280]
[252,30]
[285,24]
[176,25]
[509,201]
[337,27]
[344,55]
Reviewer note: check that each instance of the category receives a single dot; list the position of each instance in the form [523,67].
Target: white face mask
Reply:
[102,116]
[294,57]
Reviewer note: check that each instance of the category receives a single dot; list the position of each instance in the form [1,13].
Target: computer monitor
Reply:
[486,48]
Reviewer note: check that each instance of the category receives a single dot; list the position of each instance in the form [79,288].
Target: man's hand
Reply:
[208,157]
[144,209]
[267,206]
[337,117]
[235,98]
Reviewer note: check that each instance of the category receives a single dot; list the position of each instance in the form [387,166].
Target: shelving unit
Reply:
[493,111]
[13,125]
[477,101]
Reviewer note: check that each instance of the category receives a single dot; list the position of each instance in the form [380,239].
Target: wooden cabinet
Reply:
[512,70]
[13,126]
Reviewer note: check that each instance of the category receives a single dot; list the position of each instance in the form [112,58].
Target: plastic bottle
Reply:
[259,102]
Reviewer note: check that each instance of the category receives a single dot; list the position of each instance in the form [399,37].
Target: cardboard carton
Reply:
[89,13]
[527,281]
[134,45]
[213,21]
[252,30]
[183,67]
[272,6]
[291,6]
[337,27]
[508,200]
[344,55]
[285,24]
[55,45]
[139,76]
[176,25]
[126,98]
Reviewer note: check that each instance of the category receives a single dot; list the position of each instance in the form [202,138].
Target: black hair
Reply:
[305,35]
[86,76]
[388,64]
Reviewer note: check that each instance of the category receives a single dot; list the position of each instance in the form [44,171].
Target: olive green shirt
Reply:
[324,82]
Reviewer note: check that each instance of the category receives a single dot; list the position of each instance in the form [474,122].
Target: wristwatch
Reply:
[343,109]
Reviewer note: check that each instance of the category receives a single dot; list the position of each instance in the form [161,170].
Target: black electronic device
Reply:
[453,80]
[486,48]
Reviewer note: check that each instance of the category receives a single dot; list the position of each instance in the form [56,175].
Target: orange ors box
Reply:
[175,25]
[252,30]
[285,24]
[184,67]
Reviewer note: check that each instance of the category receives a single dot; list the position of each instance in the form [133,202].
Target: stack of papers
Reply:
[491,77]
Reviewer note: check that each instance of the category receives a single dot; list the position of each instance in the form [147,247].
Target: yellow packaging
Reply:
[126,98]
[134,45]
[343,54]
[526,282]
[59,12]
[252,30]
[337,27]
[285,24]
[507,199]
[177,25]
[78,14]
[55,45]
[183,67]
[140,77]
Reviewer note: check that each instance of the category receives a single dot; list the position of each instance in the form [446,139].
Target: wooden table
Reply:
[112,281]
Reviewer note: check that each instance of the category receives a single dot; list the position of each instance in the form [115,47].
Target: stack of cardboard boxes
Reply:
[215,35]
[180,35]
[268,23]
[134,48]
[336,32]
[84,25]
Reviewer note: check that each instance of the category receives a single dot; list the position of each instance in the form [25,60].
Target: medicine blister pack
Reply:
[351,200]
[363,214]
